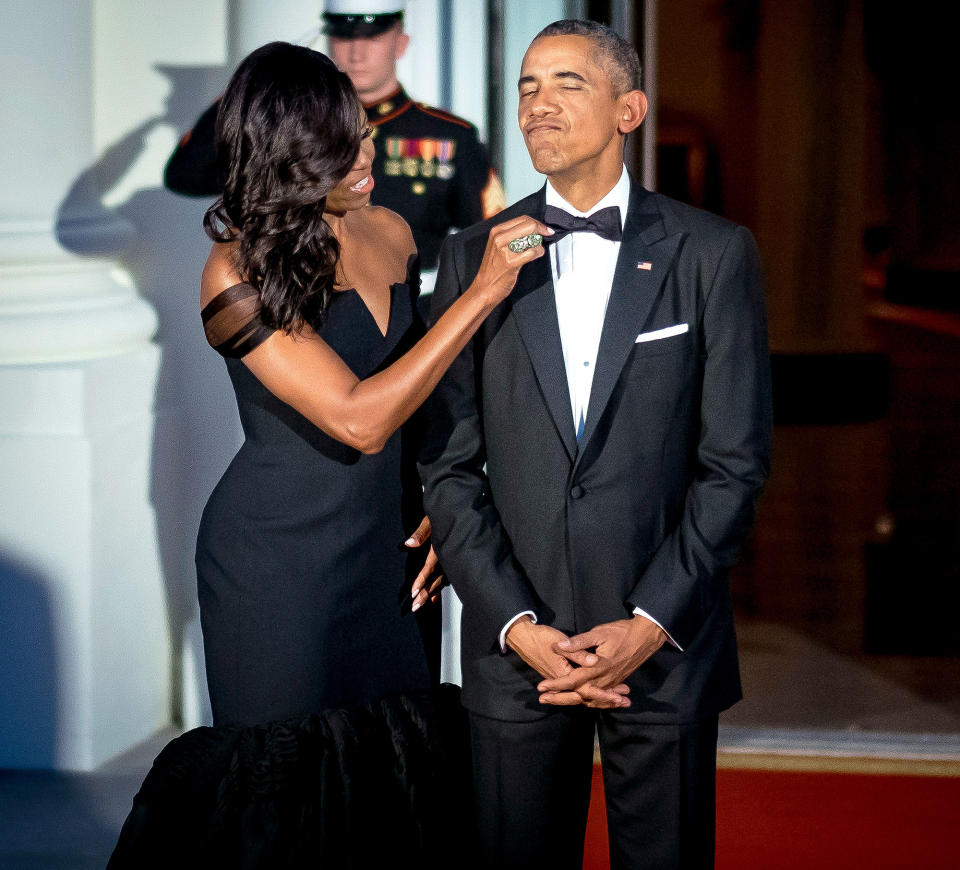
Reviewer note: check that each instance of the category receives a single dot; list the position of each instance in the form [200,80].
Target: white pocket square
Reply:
[666,332]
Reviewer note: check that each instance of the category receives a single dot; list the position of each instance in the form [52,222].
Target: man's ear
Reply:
[403,40]
[633,108]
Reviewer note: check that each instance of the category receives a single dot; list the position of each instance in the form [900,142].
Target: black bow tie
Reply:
[605,223]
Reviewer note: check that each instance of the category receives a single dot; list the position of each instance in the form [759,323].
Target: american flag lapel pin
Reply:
[645,265]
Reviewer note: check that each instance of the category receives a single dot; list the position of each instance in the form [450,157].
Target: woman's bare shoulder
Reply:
[392,230]
[219,272]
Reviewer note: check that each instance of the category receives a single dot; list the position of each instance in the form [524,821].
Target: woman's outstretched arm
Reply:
[306,373]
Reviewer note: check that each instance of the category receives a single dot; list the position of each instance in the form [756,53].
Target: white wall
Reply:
[469,63]
[419,68]
[252,23]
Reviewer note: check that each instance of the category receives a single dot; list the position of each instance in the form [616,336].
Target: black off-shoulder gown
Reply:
[300,556]
[324,750]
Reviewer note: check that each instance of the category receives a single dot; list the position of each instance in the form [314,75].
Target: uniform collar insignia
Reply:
[397,98]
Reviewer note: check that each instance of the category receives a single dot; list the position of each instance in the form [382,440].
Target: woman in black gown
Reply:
[323,748]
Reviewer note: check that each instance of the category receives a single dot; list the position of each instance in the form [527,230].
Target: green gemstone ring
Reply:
[518,246]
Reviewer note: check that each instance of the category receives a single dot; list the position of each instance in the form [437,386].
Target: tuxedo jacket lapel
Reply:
[635,289]
[632,296]
[535,310]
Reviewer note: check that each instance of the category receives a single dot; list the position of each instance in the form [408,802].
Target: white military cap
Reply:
[352,19]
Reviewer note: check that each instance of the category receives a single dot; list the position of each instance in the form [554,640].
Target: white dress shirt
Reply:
[583,265]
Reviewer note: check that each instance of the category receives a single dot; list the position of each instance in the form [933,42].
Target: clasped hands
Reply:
[589,668]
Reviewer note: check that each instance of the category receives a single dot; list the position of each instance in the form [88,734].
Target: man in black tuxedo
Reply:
[595,457]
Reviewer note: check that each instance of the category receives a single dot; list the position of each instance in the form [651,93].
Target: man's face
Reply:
[371,61]
[568,114]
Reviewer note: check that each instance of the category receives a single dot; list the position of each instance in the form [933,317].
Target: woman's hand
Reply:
[500,266]
[427,585]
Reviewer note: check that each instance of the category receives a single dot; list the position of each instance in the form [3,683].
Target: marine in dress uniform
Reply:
[430,166]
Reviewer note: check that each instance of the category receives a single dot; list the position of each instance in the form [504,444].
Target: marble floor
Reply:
[69,821]
[805,700]
[791,681]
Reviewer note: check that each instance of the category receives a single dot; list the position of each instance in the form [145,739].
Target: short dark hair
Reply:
[617,57]
[288,131]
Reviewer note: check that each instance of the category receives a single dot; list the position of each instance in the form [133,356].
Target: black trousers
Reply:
[532,790]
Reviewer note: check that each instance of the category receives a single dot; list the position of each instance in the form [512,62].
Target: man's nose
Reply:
[543,105]
[358,50]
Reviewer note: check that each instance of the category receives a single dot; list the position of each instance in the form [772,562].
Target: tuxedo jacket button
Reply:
[577,491]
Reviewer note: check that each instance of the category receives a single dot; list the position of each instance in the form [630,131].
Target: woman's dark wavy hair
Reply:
[288,130]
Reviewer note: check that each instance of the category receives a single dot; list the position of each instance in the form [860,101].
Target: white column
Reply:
[253,23]
[84,650]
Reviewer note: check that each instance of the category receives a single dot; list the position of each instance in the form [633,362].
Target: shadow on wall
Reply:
[28,668]
[158,237]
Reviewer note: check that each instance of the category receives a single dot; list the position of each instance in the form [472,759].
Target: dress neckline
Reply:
[384,334]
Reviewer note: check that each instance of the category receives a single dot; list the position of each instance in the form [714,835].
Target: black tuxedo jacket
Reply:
[650,508]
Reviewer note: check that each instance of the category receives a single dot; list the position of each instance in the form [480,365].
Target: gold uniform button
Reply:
[373,132]
[385,108]
[418,187]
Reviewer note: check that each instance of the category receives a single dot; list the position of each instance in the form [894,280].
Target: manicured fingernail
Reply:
[411,542]
[415,607]
[563,643]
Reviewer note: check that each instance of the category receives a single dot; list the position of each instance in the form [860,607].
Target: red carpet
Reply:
[779,820]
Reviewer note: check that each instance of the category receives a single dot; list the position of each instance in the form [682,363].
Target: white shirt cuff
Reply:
[506,628]
[638,612]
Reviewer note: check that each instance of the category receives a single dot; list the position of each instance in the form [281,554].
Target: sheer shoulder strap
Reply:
[231,321]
